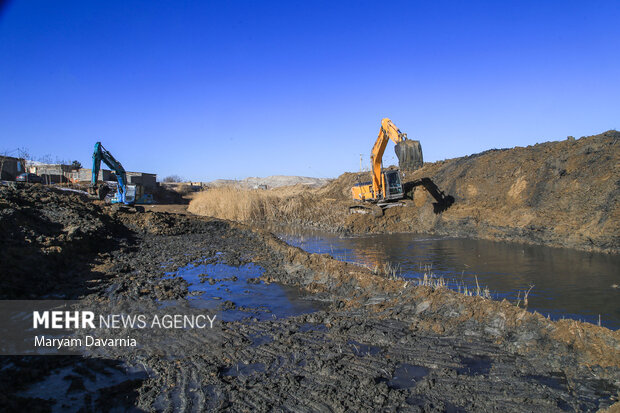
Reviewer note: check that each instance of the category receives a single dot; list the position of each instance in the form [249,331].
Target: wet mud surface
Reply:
[327,335]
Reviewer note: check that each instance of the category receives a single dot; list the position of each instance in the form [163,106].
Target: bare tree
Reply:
[173,178]
[23,153]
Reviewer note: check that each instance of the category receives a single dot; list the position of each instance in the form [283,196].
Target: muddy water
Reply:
[239,294]
[566,283]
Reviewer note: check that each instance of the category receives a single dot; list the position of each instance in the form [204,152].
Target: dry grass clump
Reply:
[326,206]
[232,203]
[282,205]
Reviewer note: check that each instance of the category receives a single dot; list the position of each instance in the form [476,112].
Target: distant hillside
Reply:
[274,181]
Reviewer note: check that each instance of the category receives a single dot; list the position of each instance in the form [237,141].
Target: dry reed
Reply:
[288,204]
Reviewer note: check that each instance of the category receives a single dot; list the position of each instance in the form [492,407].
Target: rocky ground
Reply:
[373,343]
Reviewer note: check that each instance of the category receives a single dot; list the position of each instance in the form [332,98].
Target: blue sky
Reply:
[230,89]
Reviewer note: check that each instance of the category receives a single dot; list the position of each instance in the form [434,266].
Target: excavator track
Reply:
[366,208]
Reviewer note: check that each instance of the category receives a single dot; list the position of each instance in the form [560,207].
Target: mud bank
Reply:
[561,194]
[377,344]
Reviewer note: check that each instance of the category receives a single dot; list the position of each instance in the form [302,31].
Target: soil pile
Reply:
[558,193]
[47,234]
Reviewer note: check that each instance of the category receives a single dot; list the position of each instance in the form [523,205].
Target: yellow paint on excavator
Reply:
[376,189]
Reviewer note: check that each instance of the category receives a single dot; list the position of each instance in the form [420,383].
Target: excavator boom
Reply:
[385,185]
[388,131]
[101,154]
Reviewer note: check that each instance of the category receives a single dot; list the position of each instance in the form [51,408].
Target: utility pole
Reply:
[361,170]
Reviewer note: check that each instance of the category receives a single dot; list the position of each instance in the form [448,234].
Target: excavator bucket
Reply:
[99,191]
[409,155]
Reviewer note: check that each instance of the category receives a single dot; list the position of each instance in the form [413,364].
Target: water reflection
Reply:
[567,283]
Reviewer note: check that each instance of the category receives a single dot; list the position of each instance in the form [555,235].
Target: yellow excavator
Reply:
[386,187]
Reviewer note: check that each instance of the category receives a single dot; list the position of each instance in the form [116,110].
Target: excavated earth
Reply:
[374,344]
[564,194]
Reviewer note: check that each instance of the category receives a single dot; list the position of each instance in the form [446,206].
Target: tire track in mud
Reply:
[321,369]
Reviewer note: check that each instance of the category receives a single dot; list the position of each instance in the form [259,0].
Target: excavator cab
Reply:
[393,188]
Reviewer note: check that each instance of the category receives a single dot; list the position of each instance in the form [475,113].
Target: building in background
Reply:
[148,181]
[61,173]
[86,175]
[52,173]
[10,167]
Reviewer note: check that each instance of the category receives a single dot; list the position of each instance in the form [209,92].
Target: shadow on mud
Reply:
[442,201]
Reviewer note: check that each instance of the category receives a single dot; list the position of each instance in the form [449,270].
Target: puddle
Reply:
[239,294]
[407,375]
[475,366]
[71,387]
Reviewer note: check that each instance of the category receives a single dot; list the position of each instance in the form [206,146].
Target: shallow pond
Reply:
[566,283]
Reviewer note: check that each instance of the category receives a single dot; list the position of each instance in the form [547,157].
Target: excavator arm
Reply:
[388,131]
[101,154]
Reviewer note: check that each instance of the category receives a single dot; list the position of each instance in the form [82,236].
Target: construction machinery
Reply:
[125,194]
[386,188]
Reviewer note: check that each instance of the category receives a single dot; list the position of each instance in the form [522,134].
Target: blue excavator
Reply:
[125,194]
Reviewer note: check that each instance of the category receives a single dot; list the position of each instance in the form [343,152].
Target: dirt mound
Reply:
[563,194]
[45,234]
[557,193]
